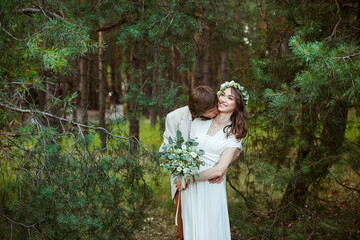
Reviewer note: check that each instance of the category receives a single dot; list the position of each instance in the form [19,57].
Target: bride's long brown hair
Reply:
[238,118]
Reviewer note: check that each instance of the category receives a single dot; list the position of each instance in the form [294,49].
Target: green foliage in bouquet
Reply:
[181,158]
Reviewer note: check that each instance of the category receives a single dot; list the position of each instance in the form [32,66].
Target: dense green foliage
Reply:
[305,133]
[62,187]
[56,181]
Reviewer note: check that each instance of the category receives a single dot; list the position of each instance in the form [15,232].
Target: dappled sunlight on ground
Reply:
[158,225]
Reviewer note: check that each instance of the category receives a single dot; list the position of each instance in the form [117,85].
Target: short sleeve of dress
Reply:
[232,142]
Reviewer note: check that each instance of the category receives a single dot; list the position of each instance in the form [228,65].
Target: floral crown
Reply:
[233,84]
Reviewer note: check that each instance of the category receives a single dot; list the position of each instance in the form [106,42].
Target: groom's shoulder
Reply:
[179,111]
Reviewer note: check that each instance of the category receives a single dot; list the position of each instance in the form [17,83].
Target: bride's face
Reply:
[227,102]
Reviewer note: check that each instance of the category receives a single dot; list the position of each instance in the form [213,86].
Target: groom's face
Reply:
[211,113]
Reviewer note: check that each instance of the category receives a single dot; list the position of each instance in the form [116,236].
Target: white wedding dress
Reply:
[204,205]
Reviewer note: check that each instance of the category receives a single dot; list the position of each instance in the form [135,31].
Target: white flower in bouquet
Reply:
[193,154]
[181,157]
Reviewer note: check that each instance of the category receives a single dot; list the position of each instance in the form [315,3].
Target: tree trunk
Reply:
[335,122]
[115,75]
[82,89]
[50,92]
[174,71]
[132,108]
[296,191]
[207,79]
[198,74]
[49,89]
[102,103]
[358,19]
[225,71]
[156,89]
[214,71]
[333,135]
[263,24]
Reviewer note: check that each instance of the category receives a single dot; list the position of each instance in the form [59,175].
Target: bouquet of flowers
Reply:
[181,158]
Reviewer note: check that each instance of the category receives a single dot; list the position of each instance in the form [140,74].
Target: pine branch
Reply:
[15,38]
[238,191]
[349,5]
[347,187]
[339,21]
[29,11]
[111,26]
[15,134]
[356,172]
[131,138]
[334,30]
[21,224]
[345,57]
[277,215]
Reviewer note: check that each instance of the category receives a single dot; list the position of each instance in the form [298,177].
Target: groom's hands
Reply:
[221,178]
[218,179]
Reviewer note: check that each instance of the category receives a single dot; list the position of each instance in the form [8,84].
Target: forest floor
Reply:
[161,226]
[115,112]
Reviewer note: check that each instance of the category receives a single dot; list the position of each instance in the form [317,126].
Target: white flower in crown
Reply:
[233,84]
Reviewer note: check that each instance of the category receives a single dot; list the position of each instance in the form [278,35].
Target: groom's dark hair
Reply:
[202,99]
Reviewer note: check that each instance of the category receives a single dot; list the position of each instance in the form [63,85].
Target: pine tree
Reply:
[306,91]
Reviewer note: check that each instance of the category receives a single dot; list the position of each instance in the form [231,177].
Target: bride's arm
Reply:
[222,176]
[216,171]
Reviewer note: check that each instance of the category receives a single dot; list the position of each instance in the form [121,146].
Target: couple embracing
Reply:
[218,123]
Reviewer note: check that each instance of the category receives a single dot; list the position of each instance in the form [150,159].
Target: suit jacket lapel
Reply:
[184,127]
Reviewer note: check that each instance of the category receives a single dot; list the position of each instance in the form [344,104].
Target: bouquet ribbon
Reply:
[177,207]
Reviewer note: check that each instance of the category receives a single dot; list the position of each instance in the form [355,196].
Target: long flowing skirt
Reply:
[204,212]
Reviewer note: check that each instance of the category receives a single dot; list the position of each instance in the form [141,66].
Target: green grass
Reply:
[150,137]
[353,126]
[160,221]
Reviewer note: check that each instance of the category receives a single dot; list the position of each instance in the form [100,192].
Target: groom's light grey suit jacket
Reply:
[176,120]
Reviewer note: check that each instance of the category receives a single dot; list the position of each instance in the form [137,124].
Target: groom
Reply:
[202,103]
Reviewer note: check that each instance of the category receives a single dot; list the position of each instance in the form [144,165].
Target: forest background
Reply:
[74,165]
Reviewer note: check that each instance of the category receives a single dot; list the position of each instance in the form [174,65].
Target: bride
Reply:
[204,205]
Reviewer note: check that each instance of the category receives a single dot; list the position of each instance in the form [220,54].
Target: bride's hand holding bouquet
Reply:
[181,158]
